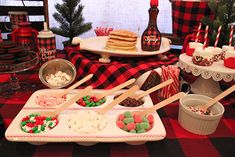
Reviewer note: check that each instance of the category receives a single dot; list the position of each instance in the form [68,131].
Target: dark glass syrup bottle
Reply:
[151,37]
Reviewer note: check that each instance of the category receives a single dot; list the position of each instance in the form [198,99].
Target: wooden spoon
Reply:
[74,86]
[155,88]
[110,91]
[216,99]
[119,99]
[58,110]
[160,105]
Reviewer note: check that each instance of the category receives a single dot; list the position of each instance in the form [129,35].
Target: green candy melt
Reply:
[132,131]
[141,131]
[144,125]
[144,119]
[138,127]
[128,120]
[128,114]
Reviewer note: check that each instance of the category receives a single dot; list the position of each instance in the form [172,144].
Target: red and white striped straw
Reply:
[206,36]
[217,36]
[198,31]
[231,36]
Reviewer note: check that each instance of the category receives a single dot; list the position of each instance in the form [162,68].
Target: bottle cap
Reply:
[154,3]
[46,33]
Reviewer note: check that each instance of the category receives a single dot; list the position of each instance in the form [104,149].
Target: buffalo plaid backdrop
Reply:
[187,14]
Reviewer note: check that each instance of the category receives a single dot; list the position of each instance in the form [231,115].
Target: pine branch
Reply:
[63,10]
[77,12]
[60,19]
[60,31]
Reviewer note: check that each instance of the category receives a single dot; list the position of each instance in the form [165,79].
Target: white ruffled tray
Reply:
[62,133]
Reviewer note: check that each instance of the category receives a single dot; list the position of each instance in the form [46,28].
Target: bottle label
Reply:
[152,39]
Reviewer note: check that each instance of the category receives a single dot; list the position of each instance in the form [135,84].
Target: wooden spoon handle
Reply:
[127,83]
[219,97]
[163,84]
[79,95]
[119,99]
[75,85]
[162,103]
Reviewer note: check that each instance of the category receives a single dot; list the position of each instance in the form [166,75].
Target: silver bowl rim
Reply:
[56,60]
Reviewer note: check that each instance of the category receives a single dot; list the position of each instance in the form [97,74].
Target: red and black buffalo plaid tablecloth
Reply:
[178,142]
[118,71]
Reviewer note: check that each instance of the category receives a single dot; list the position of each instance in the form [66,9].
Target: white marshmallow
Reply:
[229,53]
[195,45]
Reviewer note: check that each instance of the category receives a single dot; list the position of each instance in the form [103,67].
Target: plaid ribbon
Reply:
[47,48]
[120,70]
[187,14]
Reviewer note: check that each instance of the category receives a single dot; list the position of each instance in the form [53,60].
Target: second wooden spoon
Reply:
[160,105]
[155,88]
[110,91]
[216,99]
[119,99]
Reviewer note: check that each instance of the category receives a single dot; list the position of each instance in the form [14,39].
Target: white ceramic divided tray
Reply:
[62,133]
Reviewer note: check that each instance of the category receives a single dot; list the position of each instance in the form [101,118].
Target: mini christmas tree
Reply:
[224,14]
[70,18]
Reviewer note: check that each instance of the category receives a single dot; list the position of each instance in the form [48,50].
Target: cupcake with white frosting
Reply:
[202,57]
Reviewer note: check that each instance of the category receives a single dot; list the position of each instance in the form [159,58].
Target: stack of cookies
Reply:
[121,40]
[10,53]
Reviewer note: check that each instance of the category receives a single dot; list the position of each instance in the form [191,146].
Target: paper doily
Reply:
[217,71]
